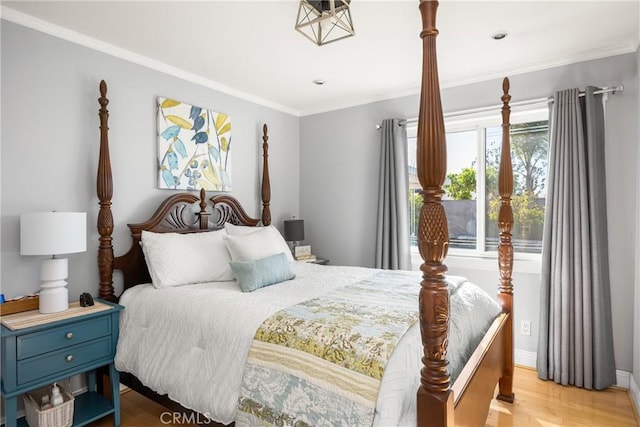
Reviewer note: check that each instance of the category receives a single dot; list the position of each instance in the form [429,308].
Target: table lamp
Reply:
[53,233]
[294,231]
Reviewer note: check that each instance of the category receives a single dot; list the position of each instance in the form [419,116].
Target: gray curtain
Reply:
[392,236]
[575,345]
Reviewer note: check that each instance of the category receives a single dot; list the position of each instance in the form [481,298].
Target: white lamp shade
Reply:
[53,233]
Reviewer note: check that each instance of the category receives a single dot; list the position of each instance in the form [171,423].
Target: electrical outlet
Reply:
[525,327]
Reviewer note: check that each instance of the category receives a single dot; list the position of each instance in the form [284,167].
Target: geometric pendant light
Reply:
[324,21]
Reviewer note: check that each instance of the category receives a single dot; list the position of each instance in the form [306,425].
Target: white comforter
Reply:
[191,342]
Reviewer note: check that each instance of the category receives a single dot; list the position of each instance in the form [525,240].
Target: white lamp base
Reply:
[54,295]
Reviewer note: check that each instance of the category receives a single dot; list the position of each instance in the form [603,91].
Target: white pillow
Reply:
[175,259]
[261,243]
[278,240]
[240,229]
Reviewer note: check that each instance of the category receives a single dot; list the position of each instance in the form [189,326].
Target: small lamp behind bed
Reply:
[294,232]
[53,233]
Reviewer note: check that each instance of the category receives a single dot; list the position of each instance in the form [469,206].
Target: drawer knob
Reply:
[70,358]
[69,335]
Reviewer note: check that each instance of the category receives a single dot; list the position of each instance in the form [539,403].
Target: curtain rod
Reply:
[612,90]
[496,108]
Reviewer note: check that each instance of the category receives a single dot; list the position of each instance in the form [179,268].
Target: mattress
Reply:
[191,342]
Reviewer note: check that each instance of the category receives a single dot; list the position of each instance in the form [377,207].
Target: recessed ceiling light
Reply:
[499,35]
[319,82]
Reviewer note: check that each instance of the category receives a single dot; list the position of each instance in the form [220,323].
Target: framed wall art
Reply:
[194,147]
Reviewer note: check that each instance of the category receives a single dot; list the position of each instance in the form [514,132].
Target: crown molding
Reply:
[32,22]
[601,53]
[46,27]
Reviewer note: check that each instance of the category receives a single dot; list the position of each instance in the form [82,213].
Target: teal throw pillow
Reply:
[256,274]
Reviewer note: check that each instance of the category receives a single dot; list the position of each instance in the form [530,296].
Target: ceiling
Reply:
[250,48]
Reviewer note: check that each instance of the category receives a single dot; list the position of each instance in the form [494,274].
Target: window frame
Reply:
[479,120]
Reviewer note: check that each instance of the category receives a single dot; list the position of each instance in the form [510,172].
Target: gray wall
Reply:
[339,157]
[50,142]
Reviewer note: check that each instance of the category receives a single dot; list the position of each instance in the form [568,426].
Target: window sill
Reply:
[479,262]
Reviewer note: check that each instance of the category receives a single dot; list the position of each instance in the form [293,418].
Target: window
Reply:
[471,198]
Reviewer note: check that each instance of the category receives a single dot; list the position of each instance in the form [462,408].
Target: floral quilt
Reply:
[320,362]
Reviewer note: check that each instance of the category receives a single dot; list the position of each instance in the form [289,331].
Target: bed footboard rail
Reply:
[476,383]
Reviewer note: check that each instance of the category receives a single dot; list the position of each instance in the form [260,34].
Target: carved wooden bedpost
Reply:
[505,247]
[266,184]
[105,193]
[435,398]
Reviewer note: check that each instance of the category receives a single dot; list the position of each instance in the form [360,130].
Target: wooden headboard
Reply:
[178,213]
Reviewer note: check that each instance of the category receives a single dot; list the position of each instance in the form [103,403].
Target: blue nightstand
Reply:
[38,350]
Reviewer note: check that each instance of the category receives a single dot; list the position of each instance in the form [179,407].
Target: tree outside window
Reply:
[529,150]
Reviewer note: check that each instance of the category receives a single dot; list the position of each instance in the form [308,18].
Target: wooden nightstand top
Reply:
[27,319]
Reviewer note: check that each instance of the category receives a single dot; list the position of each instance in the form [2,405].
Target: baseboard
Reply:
[527,359]
[524,358]
[634,391]
[623,379]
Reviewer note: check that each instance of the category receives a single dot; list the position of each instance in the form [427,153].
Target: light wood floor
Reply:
[547,404]
[538,403]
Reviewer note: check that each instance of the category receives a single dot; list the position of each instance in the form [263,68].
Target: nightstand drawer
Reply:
[68,358]
[30,345]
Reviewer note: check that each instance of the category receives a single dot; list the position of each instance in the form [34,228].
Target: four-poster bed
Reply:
[439,403]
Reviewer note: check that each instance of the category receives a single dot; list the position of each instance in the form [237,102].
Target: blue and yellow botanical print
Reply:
[194,147]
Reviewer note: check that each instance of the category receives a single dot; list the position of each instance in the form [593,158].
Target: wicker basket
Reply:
[57,416]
